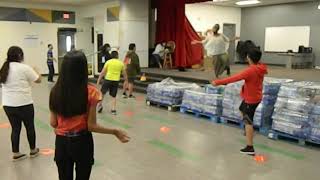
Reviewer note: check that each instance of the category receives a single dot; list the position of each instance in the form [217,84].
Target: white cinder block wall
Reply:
[134,28]
[13,33]
[110,30]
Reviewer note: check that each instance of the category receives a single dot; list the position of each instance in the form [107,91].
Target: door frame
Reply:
[59,32]
[232,59]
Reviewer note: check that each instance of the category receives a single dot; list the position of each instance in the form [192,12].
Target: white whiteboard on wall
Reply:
[282,39]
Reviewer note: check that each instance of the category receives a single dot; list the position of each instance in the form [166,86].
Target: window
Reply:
[68,43]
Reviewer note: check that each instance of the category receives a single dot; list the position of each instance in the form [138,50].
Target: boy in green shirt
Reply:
[133,69]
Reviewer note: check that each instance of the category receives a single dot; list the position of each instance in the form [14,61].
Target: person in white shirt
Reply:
[216,46]
[158,53]
[16,79]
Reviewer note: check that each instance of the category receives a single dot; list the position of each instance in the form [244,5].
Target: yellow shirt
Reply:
[114,68]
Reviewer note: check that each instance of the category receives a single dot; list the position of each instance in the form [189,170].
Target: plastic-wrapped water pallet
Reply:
[200,103]
[293,112]
[167,93]
[302,89]
[231,103]
[271,86]
[314,135]
[263,116]
[214,89]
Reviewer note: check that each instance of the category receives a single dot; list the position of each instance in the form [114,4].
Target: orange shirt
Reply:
[126,60]
[78,123]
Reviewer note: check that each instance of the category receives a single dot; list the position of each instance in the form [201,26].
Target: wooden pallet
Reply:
[262,130]
[198,114]
[168,106]
[276,135]
[232,122]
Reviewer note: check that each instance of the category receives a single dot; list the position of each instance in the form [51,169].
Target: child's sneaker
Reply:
[249,150]
[124,95]
[113,112]
[19,157]
[34,153]
[100,108]
[131,96]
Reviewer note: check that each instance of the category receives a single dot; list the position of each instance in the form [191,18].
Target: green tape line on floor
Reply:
[42,109]
[172,150]
[159,119]
[114,122]
[97,164]
[42,125]
[278,151]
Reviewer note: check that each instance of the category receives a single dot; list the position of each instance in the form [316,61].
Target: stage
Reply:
[273,71]
[201,77]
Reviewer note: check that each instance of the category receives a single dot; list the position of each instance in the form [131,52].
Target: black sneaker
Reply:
[100,109]
[19,157]
[34,153]
[124,95]
[132,96]
[249,150]
[113,112]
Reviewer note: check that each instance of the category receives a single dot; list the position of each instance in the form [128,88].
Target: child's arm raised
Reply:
[238,77]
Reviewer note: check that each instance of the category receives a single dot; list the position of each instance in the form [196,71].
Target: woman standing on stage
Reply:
[216,46]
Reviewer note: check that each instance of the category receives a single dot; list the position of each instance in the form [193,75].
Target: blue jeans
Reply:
[158,58]
[51,71]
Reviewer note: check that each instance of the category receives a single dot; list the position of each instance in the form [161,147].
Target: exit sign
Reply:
[66,16]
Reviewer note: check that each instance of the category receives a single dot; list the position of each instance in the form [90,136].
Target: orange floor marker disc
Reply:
[260,158]
[47,152]
[5,125]
[164,129]
[128,113]
[140,98]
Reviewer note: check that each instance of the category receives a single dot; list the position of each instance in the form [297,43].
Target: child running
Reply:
[251,93]
[73,116]
[111,74]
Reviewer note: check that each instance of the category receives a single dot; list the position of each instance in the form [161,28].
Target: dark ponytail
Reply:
[15,54]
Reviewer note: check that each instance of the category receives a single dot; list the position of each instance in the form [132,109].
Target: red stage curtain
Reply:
[195,1]
[173,26]
[194,53]
[170,27]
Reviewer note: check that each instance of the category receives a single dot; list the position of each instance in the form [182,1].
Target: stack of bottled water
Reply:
[293,107]
[202,102]
[232,101]
[168,92]
[314,134]
[263,115]
[214,89]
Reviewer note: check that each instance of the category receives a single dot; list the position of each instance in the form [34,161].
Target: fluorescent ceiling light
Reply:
[319,6]
[248,2]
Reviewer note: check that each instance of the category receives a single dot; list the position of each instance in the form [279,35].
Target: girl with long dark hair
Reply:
[73,115]
[16,79]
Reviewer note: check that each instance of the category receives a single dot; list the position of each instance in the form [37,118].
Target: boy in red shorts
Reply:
[251,92]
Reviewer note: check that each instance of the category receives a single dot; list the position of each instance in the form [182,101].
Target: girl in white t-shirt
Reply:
[16,79]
